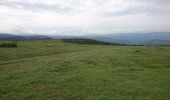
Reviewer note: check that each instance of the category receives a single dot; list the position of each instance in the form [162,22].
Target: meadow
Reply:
[55,70]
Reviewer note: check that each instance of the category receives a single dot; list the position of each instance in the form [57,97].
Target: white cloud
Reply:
[101,16]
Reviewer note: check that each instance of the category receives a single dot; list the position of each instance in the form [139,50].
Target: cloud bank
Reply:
[80,17]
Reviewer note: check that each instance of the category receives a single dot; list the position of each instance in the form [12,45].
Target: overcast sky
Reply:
[80,17]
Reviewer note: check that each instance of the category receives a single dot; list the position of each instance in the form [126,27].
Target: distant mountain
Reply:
[134,38]
[4,36]
[158,42]
[122,38]
[128,38]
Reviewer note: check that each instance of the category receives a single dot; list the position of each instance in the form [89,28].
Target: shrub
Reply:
[8,44]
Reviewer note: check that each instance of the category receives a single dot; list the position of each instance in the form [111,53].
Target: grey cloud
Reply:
[81,6]
[150,7]
[36,15]
[37,7]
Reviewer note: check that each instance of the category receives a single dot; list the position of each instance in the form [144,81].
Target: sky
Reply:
[84,17]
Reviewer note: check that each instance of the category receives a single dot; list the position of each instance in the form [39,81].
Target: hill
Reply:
[126,38]
[158,42]
[122,38]
[9,37]
[67,71]
[134,38]
[3,35]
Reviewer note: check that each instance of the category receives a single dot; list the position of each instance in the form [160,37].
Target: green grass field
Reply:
[54,70]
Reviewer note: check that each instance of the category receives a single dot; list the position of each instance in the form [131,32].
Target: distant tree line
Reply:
[88,41]
[8,44]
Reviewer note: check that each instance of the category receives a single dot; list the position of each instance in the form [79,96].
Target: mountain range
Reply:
[122,38]
[136,38]
[4,36]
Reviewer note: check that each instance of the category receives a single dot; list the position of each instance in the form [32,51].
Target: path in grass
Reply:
[107,72]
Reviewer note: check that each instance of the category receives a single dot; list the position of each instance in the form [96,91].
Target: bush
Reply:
[8,44]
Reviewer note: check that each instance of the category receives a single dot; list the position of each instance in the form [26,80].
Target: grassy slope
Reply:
[66,71]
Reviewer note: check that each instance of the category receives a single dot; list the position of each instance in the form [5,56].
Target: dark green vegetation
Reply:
[8,44]
[88,41]
[55,70]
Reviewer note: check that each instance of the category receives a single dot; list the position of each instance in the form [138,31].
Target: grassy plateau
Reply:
[56,70]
